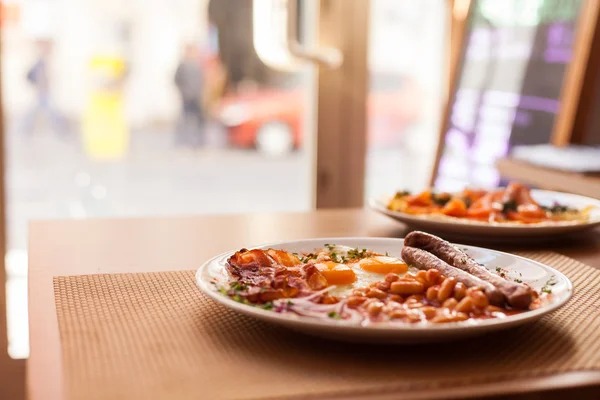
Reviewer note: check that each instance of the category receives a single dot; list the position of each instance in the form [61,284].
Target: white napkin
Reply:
[573,158]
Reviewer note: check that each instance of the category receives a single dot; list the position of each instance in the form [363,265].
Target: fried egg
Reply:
[347,268]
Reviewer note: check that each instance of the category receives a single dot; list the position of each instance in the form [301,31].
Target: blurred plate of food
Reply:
[514,211]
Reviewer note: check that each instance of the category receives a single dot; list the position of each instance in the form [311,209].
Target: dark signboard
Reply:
[509,83]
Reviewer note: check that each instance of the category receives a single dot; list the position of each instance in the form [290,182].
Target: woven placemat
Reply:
[155,336]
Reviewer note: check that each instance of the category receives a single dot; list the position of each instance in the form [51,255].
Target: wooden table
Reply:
[58,248]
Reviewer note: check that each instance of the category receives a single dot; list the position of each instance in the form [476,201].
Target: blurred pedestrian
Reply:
[39,77]
[189,82]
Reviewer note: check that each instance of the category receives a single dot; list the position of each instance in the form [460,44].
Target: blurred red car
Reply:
[271,120]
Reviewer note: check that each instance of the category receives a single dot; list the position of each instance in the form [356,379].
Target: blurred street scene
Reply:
[153,108]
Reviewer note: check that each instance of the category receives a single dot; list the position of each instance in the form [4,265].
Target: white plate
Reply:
[531,272]
[466,228]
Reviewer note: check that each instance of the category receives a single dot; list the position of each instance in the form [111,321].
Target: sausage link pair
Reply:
[517,295]
[424,260]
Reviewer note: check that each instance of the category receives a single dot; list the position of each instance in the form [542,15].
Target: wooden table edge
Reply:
[569,380]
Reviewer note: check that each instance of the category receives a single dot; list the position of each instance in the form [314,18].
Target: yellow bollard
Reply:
[105,134]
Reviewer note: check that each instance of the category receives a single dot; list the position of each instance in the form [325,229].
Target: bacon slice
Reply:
[266,279]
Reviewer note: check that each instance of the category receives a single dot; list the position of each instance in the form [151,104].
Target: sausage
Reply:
[422,259]
[517,295]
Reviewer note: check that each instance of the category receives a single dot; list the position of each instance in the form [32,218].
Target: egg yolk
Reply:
[383,265]
[336,274]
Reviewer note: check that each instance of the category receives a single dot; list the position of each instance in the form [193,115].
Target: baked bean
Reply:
[395,314]
[391,277]
[494,309]
[479,299]
[360,291]
[374,308]
[376,293]
[433,276]
[413,305]
[461,316]
[450,303]
[385,286]
[429,312]
[414,298]
[422,277]
[465,305]
[460,291]
[397,298]
[432,293]
[413,316]
[355,301]
[410,276]
[407,287]
[446,288]
[454,317]
[442,318]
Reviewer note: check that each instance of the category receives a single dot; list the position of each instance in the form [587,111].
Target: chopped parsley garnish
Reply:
[357,253]
[557,209]
[387,254]
[547,286]
[402,193]
[519,280]
[467,201]
[240,299]
[306,258]
[334,315]
[267,306]
[333,256]
[237,286]
[330,246]
[440,199]
[501,272]
[510,205]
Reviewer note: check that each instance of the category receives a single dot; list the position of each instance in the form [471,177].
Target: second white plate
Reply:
[478,230]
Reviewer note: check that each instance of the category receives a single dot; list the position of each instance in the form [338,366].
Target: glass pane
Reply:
[143,108]
[407,65]
[509,86]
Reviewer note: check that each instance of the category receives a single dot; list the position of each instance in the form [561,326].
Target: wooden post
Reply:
[578,89]
[459,17]
[12,372]
[342,105]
